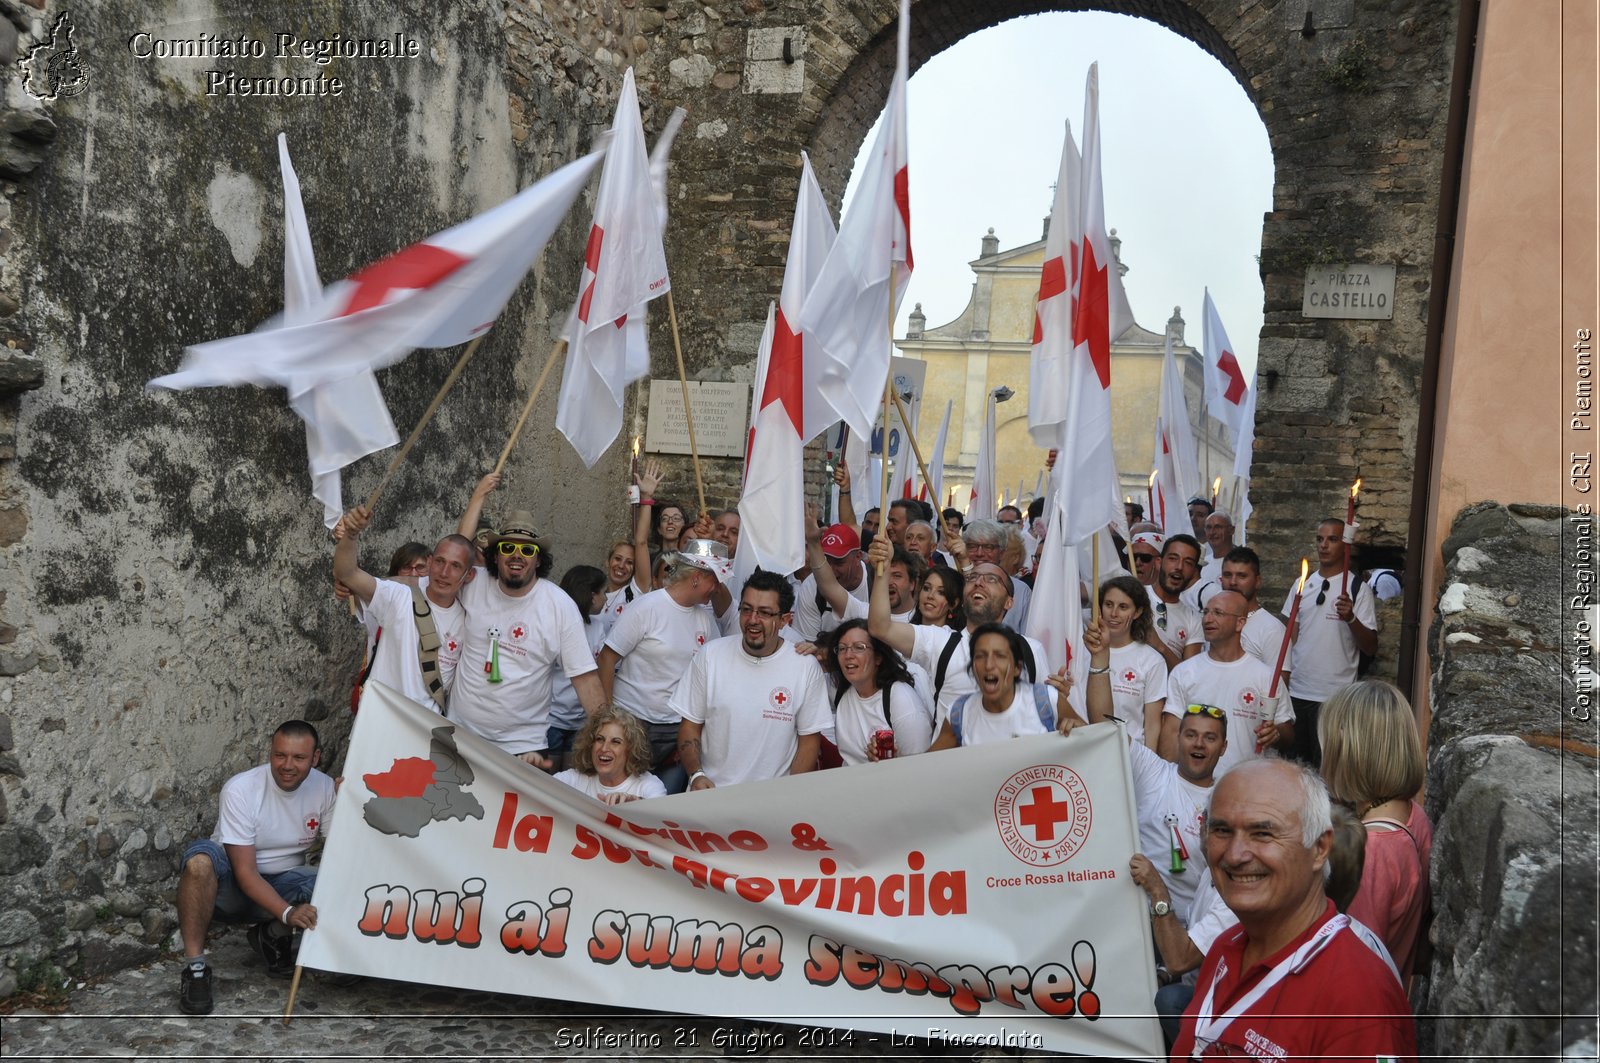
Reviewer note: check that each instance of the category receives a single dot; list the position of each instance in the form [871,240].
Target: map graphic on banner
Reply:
[997,904]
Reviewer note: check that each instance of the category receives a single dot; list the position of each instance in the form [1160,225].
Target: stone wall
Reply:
[164,568]
[1512,790]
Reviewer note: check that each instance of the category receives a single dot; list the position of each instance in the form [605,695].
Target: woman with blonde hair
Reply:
[611,759]
[1372,762]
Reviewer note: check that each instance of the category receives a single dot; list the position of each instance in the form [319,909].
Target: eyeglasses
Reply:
[765,614]
[1322,595]
[525,549]
[853,647]
[1209,710]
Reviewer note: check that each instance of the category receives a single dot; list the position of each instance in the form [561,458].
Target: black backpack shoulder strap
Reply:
[944,662]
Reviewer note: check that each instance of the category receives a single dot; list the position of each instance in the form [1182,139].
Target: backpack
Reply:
[949,651]
[1042,704]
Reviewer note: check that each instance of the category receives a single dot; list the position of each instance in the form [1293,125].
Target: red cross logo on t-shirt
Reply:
[1183,636]
[1042,813]
[700,638]
[1129,676]
[518,632]
[1248,697]
[780,697]
[452,645]
[312,823]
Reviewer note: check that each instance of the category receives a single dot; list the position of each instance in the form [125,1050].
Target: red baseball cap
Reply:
[838,540]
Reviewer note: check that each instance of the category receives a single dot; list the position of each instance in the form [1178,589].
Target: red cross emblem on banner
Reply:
[1042,812]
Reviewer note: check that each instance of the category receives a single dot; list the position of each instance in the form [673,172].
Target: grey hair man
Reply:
[996,543]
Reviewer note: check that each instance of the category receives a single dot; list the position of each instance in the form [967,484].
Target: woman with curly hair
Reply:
[611,759]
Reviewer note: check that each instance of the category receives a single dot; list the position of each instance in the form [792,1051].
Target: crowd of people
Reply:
[650,673]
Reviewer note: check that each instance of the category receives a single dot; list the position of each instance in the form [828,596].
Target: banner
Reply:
[978,893]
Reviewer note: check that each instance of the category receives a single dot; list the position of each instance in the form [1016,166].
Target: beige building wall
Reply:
[1523,278]
[988,345]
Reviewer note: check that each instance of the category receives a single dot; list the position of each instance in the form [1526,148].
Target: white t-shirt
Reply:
[398,664]
[1020,719]
[1138,677]
[1165,800]
[857,609]
[1262,637]
[532,635]
[565,709]
[1016,617]
[753,710]
[1182,627]
[857,718]
[1238,688]
[618,600]
[1324,656]
[812,623]
[656,638]
[280,824]
[931,641]
[642,785]
[1201,591]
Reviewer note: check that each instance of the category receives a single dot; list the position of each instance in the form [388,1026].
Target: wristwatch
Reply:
[1160,908]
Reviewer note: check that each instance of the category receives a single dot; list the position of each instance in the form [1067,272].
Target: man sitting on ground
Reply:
[252,869]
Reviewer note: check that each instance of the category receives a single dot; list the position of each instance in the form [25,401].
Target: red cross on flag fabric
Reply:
[1072,374]
[846,312]
[624,267]
[786,408]
[1177,468]
[1226,387]
[345,419]
[443,291]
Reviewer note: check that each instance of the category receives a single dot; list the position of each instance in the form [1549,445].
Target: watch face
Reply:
[1161,908]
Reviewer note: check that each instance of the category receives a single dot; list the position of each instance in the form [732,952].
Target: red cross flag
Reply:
[1226,387]
[624,267]
[443,291]
[846,312]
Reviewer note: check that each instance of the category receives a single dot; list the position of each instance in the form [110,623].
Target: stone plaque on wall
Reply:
[721,416]
[1349,291]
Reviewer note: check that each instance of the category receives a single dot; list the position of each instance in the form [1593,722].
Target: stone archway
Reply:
[1355,111]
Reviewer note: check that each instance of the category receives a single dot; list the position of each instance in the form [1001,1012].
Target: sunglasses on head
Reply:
[1210,710]
[525,549]
[1322,595]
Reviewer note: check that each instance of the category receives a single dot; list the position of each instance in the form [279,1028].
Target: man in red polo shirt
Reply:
[1291,981]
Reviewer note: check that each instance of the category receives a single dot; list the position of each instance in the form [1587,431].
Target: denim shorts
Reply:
[232,906]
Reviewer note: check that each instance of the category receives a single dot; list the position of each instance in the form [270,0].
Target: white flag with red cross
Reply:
[1226,387]
[772,508]
[811,238]
[624,267]
[443,291]
[1080,381]
[846,312]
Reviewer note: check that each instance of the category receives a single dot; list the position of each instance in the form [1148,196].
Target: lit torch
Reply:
[1349,535]
[1216,485]
[1150,500]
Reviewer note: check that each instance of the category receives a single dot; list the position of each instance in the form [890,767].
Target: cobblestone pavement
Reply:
[134,1014]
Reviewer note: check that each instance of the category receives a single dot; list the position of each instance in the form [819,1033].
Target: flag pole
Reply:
[294,988]
[1094,593]
[555,352]
[427,415]
[688,412]
[888,397]
[944,527]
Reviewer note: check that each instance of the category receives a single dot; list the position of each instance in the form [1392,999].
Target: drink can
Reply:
[883,738]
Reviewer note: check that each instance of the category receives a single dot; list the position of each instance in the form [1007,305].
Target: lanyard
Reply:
[1209,1026]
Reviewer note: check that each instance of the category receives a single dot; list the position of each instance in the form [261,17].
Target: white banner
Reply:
[977,893]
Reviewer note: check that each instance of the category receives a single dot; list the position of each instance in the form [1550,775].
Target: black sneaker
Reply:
[194,988]
[276,951]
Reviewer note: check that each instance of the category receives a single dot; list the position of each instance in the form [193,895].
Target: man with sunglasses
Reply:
[1175,633]
[520,627]
[1331,632]
[422,669]
[1228,678]
[752,708]
[1146,550]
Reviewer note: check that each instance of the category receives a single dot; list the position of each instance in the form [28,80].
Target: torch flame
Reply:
[636,446]
[1355,488]
[1216,485]
[1127,500]
[1305,570]
[1152,477]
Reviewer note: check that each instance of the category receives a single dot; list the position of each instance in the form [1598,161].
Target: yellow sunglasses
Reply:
[1210,710]
[525,549]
